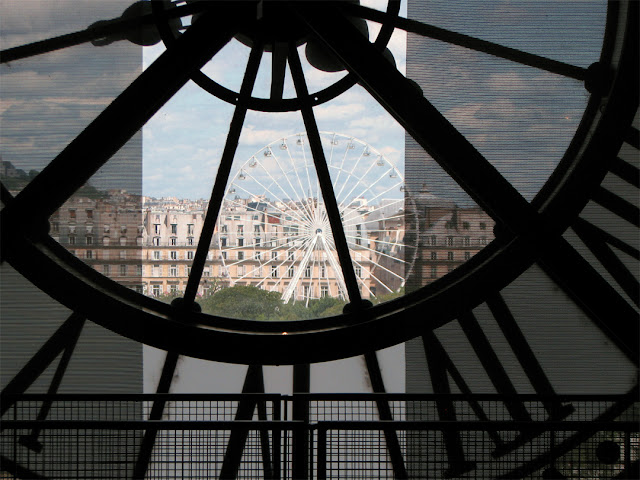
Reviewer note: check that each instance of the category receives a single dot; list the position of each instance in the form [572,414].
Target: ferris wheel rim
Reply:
[309,212]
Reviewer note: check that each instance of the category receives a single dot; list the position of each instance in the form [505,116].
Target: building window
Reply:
[240,229]
[173,255]
[157,255]
[290,271]
[467,255]
[89,214]
[223,229]
[72,239]
[274,255]
[306,291]
[139,270]
[106,269]
[324,291]
[434,272]
[156,290]
[123,270]
[72,214]
[174,229]
[358,271]
[291,256]
[206,272]
[433,240]
[434,255]
[173,271]
[190,229]
[257,256]
[156,241]
[89,240]
[240,255]
[483,240]
[323,271]
[88,254]
[240,271]
[55,227]
[465,225]
[307,271]
[224,255]
[187,271]
[173,289]
[467,241]
[106,241]
[156,271]
[123,241]
[190,255]
[173,241]
[189,240]
[256,228]
[450,241]
[449,255]
[483,226]
[156,228]
[241,242]
[123,254]
[223,241]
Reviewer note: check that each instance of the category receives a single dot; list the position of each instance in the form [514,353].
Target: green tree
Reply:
[244,302]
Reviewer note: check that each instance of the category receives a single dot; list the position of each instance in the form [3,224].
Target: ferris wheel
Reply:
[274,233]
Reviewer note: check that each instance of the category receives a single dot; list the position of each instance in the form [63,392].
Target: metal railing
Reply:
[338,436]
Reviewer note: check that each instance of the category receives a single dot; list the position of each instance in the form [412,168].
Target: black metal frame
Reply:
[305,442]
[528,232]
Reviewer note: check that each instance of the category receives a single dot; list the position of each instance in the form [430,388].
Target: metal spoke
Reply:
[422,120]
[322,171]
[222,176]
[82,158]
[491,48]
[278,69]
[107,28]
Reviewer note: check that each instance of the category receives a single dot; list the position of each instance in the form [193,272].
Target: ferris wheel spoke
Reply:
[382,254]
[325,181]
[383,242]
[340,169]
[125,116]
[240,204]
[266,189]
[299,198]
[338,271]
[308,171]
[295,170]
[399,200]
[370,186]
[347,195]
[222,176]
[286,296]
[372,276]
[455,154]
[473,43]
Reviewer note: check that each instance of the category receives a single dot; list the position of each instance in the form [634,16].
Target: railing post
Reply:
[322,453]
[276,439]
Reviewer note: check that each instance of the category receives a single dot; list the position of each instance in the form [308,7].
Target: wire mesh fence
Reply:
[337,436]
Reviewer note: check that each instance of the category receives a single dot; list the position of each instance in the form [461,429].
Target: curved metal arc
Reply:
[116,26]
[472,43]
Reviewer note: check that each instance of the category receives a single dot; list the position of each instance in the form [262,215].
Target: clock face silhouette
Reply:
[570,248]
